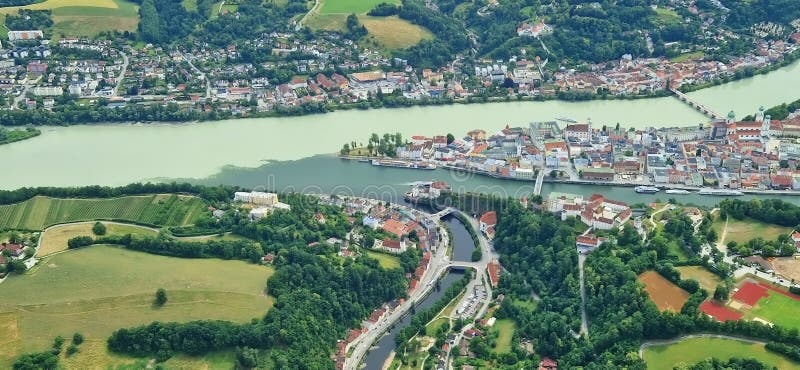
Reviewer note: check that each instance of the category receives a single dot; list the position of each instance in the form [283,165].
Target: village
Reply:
[752,156]
[330,71]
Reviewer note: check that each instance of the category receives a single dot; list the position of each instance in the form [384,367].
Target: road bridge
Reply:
[696,105]
[537,189]
[442,213]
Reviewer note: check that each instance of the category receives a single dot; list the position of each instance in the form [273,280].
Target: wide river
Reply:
[295,151]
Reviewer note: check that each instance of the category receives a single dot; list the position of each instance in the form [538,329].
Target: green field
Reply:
[433,326]
[666,17]
[99,289]
[707,279]
[387,261]
[689,351]
[689,56]
[87,17]
[55,239]
[505,330]
[350,6]
[779,310]
[742,231]
[163,210]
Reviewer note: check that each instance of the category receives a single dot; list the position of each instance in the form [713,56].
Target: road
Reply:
[312,10]
[121,76]
[584,317]
[488,254]
[201,73]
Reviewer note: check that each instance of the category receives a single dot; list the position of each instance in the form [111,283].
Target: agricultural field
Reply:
[99,289]
[689,351]
[742,231]
[394,33]
[387,261]
[55,239]
[665,294]
[505,330]
[87,17]
[350,6]
[163,210]
[707,279]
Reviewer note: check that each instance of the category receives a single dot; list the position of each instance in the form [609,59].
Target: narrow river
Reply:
[377,356]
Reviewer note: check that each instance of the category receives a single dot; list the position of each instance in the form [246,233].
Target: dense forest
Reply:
[538,252]
[166,21]
[771,211]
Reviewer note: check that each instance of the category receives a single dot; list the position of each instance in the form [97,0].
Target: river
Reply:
[386,344]
[258,151]
[462,241]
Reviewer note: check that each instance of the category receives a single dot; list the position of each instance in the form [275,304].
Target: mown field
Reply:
[742,231]
[350,6]
[779,310]
[665,294]
[87,17]
[505,330]
[55,239]
[689,351]
[99,289]
[386,260]
[393,32]
[707,279]
[162,210]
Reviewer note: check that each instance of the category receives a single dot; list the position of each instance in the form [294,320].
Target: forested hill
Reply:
[167,21]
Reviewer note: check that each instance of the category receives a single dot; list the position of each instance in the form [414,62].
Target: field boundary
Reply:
[49,228]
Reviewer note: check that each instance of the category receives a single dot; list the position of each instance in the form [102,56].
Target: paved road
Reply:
[584,317]
[201,73]
[121,76]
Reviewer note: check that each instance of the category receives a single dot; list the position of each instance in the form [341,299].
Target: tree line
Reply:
[209,193]
[771,211]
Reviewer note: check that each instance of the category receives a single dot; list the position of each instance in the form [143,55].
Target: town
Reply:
[749,156]
[323,74]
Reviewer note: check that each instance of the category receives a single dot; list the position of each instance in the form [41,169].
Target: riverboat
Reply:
[566,119]
[646,189]
[403,164]
[720,192]
[677,191]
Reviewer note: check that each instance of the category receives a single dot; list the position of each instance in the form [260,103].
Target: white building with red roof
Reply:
[487,223]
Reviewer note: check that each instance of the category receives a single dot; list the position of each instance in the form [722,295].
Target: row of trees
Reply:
[209,193]
[771,211]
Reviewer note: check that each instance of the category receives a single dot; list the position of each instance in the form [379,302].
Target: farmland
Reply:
[707,280]
[393,32]
[55,239]
[350,6]
[87,17]
[99,289]
[665,357]
[40,212]
[665,294]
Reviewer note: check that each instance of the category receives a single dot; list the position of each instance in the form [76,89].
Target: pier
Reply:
[700,107]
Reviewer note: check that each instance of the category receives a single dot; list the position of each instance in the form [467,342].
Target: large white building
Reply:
[256,197]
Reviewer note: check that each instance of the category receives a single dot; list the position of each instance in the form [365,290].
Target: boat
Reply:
[403,164]
[566,119]
[364,160]
[720,192]
[677,191]
[646,189]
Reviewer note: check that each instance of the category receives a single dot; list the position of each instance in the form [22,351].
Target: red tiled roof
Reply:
[489,218]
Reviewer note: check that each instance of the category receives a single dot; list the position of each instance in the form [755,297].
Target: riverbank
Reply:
[787,60]
[13,136]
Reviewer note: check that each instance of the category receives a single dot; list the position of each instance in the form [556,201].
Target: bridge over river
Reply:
[696,105]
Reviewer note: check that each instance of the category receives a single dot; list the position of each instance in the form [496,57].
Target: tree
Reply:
[58,342]
[161,297]
[99,229]
[77,339]
[71,350]
[79,241]
[721,293]
[450,138]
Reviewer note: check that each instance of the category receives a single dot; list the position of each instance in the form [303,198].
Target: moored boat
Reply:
[720,192]
[678,191]
[646,189]
[403,164]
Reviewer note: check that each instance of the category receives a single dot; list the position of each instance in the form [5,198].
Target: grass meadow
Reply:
[99,289]
[707,279]
[505,330]
[55,239]
[350,6]
[742,231]
[163,210]
[87,17]
[386,260]
[689,351]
